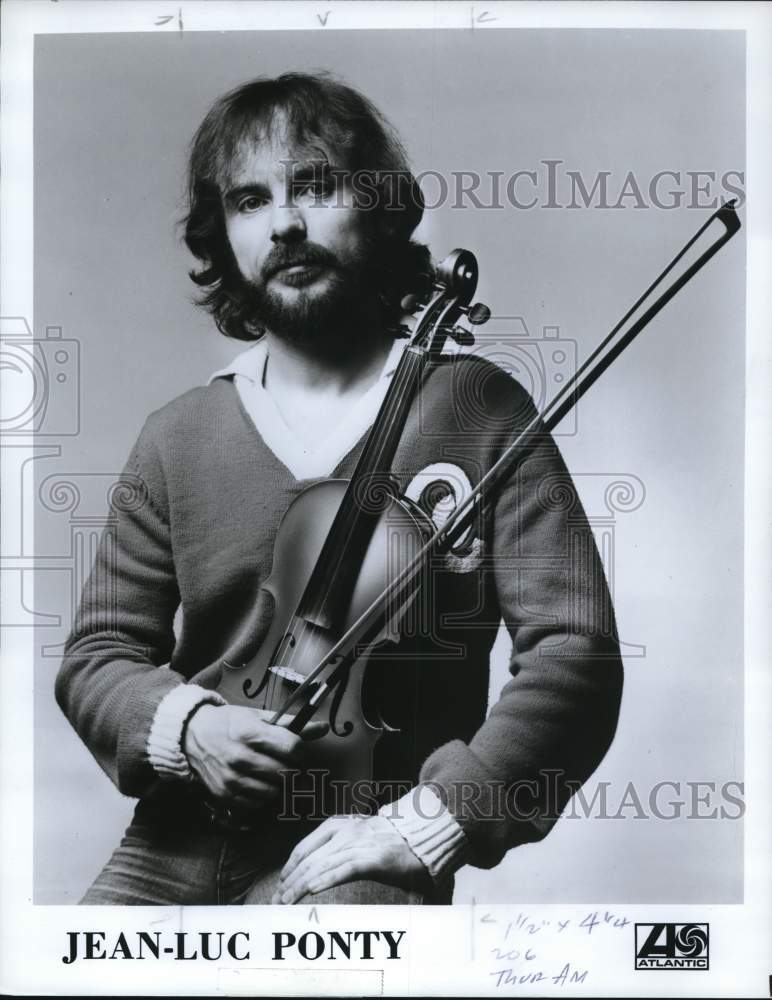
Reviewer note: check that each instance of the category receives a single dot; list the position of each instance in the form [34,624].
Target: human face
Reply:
[297,235]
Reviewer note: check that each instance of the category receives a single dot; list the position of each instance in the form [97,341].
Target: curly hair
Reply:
[341,125]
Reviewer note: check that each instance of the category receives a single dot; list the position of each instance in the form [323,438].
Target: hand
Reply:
[239,756]
[345,849]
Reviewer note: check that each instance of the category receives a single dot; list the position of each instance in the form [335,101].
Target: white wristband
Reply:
[164,741]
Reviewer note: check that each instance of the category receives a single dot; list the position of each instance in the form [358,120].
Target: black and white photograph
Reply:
[385,481]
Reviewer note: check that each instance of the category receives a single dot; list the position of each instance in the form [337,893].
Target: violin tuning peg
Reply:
[478,314]
[462,336]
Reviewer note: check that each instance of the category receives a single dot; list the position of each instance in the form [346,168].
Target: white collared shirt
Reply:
[303,460]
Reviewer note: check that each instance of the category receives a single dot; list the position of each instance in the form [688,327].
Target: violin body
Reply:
[293,646]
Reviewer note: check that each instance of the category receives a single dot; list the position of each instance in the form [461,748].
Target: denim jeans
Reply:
[172,854]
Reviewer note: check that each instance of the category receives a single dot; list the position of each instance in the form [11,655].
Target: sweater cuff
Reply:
[164,741]
[430,831]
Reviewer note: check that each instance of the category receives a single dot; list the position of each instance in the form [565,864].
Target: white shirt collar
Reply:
[250,364]
[304,462]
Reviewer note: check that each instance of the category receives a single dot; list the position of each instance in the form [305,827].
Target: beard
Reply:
[316,316]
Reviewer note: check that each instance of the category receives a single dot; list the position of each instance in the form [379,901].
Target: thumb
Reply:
[315,730]
[311,731]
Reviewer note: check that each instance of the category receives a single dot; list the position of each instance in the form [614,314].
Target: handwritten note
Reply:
[523,949]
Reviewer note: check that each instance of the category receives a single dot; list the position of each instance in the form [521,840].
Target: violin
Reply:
[341,543]
[348,554]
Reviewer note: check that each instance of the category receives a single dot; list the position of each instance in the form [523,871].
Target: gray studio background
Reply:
[113,115]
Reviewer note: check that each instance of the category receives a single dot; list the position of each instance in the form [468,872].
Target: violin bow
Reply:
[350,645]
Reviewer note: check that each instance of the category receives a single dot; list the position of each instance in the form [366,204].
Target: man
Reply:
[302,208]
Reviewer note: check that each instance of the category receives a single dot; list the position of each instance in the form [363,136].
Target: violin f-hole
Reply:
[246,687]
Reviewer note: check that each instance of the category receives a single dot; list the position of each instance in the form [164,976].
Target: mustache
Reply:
[308,254]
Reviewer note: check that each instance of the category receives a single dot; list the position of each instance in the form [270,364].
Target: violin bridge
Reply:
[288,674]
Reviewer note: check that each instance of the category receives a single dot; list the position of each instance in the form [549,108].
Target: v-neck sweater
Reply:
[194,527]
[304,460]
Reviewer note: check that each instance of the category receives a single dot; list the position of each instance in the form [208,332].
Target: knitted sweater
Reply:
[198,533]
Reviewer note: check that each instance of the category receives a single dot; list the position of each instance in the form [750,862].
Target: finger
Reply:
[337,843]
[314,731]
[313,842]
[259,765]
[275,742]
[244,788]
[340,875]
[295,885]
[285,721]
[326,857]
[310,843]
[266,714]
[348,866]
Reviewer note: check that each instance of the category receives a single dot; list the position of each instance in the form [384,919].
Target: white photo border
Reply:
[443,956]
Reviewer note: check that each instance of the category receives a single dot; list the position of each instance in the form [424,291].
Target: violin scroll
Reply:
[455,282]
[458,273]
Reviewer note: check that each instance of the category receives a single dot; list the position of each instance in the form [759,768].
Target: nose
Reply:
[288,224]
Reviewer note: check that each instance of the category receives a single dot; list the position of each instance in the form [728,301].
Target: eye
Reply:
[315,189]
[250,203]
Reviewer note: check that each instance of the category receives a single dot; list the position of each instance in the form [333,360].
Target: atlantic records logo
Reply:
[671,946]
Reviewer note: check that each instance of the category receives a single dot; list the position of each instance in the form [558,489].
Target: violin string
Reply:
[381,443]
[534,432]
[435,315]
[351,518]
[378,446]
[347,525]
